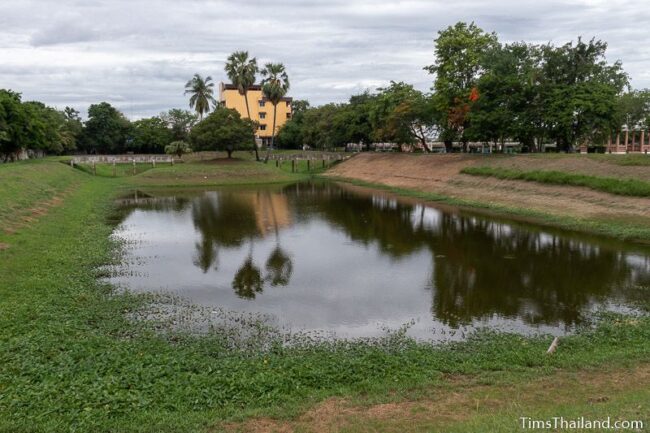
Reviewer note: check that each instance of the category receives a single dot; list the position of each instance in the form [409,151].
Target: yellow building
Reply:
[260,107]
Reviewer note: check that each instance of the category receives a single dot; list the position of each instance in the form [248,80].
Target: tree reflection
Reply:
[279,267]
[482,268]
[248,280]
[479,268]
[227,219]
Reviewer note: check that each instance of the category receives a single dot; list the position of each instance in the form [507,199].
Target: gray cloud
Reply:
[63,33]
[138,54]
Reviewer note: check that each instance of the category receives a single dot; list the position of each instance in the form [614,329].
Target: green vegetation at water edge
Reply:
[629,187]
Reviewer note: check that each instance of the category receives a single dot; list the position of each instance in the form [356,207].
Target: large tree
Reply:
[458,65]
[403,115]
[106,130]
[508,102]
[241,71]
[201,91]
[580,91]
[275,86]
[151,135]
[223,130]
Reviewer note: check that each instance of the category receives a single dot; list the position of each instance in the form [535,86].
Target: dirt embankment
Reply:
[441,174]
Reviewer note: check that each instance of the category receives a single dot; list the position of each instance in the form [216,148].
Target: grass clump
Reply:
[628,187]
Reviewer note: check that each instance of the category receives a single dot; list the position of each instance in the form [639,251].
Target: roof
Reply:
[256,87]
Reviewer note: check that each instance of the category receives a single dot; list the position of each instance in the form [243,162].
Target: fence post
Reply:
[94,169]
[323,162]
[133,166]
[72,163]
[114,169]
[153,162]
[308,164]
[293,165]
[171,159]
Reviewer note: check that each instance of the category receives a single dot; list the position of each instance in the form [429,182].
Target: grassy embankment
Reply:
[71,359]
[630,187]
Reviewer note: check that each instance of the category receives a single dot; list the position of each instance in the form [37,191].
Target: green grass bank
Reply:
[629,187]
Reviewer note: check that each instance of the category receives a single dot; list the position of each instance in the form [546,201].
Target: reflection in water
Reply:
[248,280]
[279,267]
[351,259]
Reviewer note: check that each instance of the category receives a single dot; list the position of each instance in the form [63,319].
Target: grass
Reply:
[490,404]
[628,187]
[121,170]
[28,186]
[71,360]
[634,159]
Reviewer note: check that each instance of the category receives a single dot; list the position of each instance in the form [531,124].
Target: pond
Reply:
[352,262]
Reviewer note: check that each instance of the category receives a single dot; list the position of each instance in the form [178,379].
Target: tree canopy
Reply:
[223,130]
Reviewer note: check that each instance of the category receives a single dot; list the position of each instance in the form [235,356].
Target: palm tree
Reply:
[274,86]
[242,71]
[201,90]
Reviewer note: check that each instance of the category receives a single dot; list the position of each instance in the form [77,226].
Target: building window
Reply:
[261,102]
[262,115]
[288,103]
[262,127]
[289,115]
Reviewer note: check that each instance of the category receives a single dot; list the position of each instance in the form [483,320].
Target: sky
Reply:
[139,54]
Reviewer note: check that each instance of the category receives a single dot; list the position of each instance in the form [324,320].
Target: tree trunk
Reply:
[229,153]
[268,149]
[423,140]
[248,113]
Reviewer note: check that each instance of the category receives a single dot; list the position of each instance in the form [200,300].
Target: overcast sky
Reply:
[138,54]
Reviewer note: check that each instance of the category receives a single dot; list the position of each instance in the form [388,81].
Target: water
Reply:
[354,263]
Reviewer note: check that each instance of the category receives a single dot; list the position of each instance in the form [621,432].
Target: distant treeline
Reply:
[35,126]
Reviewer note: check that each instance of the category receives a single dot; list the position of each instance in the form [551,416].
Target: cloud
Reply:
[138,54]
[62,33]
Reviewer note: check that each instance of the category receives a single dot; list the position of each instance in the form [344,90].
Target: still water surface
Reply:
[353,262]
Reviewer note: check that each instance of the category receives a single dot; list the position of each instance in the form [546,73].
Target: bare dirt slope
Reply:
[441,174]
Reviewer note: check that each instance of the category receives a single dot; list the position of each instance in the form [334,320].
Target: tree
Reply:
[354,119]
[580,91]
[13,123]
[180,122]
[106,130]
[290,135]
[299,106]
[241,72]
[459,64]
[403,115]
[150,135]
[224,130]
[201,91]
[35,126]
[275,86]
[177,148]
[43,128]
[72,128]
[633,109]
[508,98]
